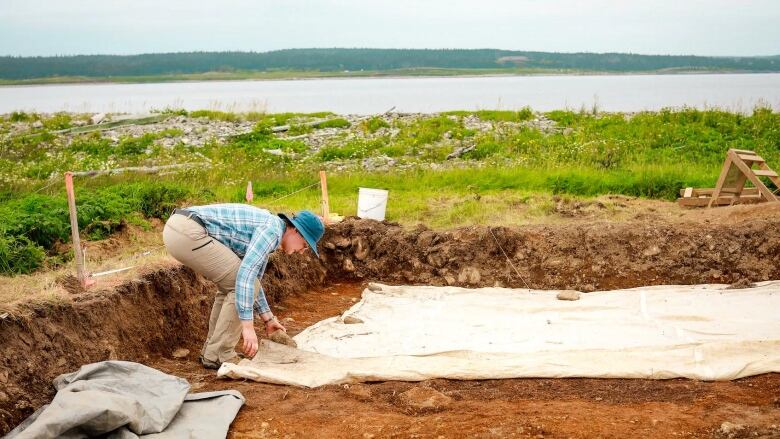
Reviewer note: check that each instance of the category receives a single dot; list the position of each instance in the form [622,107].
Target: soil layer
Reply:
[148,319]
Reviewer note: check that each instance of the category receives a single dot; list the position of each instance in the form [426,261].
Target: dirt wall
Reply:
[586,257]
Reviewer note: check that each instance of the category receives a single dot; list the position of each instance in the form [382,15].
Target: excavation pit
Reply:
[164,311]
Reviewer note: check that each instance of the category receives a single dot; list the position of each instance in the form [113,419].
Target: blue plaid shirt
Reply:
[252,233]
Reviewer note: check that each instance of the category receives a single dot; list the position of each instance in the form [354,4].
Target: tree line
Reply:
[332,60]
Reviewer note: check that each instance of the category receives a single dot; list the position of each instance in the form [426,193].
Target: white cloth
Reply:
[703,332]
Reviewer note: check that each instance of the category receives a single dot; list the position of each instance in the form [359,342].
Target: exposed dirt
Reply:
[487,408]
[165,311]
[727,245]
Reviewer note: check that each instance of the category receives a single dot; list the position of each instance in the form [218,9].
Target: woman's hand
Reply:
[250,338]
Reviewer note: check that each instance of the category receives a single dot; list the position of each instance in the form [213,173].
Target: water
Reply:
[735,92]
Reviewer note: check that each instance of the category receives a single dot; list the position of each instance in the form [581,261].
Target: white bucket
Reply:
[372,203]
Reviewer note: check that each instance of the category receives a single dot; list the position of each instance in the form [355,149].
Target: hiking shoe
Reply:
[208,364]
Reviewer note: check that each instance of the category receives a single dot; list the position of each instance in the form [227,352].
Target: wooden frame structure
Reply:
[730,188]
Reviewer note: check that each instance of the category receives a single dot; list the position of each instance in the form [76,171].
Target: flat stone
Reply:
[424,399]
[281,337]
[180,353]
[568,295]
[349,320]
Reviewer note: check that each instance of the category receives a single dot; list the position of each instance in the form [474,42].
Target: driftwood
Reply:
[138,169]
[109,125]
[460,151]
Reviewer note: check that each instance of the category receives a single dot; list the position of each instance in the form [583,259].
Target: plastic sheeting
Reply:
[412,333]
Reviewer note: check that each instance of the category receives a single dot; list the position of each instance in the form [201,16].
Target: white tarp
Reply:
[413,333]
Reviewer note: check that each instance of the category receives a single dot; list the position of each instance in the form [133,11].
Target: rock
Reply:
[348,265]
[97,118]
[424,399]
[469,275]
[360,246]
[652,251]
[180,353]
[436,259]
[276,152]
[281,337]
[374,286]
[730,429]
[361,392]
[568,295]
[350,320]
[341,241]
[449,279]
[427,239]
[37,124]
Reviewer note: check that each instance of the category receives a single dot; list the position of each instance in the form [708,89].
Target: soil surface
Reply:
[489,408]
[165,311]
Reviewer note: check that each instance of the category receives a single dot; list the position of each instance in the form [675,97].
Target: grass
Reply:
[511,174]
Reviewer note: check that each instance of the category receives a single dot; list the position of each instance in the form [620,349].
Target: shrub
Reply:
[19,255]
[374,124]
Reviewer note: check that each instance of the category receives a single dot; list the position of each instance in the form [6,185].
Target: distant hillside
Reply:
[335,60]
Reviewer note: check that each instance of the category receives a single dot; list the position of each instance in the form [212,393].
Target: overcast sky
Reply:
[713,27]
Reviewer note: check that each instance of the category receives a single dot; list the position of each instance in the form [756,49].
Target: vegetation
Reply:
[509,160]
[297,62]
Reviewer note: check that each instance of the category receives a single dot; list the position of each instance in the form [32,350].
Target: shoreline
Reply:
[162,80]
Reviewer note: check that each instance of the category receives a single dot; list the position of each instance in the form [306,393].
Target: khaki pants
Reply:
[188,242]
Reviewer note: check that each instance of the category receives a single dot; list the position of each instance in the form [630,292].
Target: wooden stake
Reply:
[325,202]
[250,194]
[74,228]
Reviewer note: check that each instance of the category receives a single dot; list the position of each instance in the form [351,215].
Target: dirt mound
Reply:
[586,257]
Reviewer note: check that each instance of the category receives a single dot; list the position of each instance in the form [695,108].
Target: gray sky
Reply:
[714,27]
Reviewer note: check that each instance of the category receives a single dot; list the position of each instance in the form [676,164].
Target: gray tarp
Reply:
[123,400]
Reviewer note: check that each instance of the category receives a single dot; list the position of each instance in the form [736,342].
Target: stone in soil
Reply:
[180,353]
[349,320]
[469,275]
[424,399]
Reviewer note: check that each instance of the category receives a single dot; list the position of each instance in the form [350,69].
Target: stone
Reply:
[342,241]
[568,295]
[435,259]
[348,265]
[374,287]
[469,275]
[350,320]
[731,429]
[424,399]
[281,337]
[97,118]
[180,353]
[360,246]
[652,251]
[449,279]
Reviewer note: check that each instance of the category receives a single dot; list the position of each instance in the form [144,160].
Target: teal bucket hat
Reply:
[309,225]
